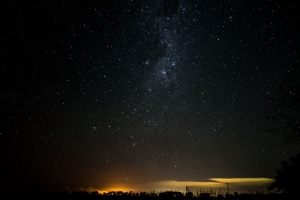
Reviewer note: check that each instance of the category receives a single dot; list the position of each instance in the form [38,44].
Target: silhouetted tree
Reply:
[287,176]
[205,195]
[189,195]
[287,116]
[95,192]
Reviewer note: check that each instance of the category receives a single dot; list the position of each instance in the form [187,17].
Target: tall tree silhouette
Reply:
[287,176]
[287,116]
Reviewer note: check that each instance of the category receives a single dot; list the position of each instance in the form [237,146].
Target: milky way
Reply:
[128,93]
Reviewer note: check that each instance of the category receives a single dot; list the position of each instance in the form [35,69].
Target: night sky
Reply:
[141,94]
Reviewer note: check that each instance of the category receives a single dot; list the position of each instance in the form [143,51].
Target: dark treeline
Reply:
[142,195]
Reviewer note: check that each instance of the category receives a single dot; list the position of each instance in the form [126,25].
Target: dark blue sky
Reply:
[131,92]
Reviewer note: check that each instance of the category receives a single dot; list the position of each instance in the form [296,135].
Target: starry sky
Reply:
[141,94]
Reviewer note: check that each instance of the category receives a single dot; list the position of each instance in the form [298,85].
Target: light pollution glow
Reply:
[234,184]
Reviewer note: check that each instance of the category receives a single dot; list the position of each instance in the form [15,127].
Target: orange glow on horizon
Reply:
[123,189]
[211,183]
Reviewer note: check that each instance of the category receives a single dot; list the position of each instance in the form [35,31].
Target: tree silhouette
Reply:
[287,176]
[287,104]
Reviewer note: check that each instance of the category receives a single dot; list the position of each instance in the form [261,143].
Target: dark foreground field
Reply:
[83,195]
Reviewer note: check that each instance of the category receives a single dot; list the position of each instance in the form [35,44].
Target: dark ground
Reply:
[85,195]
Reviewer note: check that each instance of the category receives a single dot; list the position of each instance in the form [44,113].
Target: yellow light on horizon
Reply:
[212,183]
[241,180]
